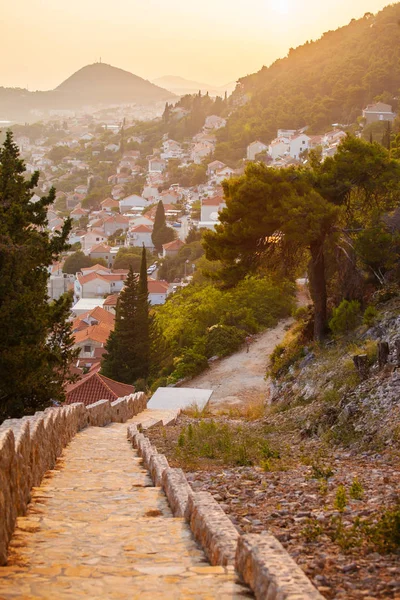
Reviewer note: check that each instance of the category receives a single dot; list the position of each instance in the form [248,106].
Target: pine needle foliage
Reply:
[35,337]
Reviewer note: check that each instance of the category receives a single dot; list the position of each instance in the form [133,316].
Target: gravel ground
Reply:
[300,509]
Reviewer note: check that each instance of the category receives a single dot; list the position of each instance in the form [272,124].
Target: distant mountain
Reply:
[319,83]
[102,83]
[181,86]
[93,85]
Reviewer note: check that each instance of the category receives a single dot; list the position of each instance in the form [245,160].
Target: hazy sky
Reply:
[215,41]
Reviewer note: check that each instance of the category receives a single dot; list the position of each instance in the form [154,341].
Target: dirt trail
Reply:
[240,378]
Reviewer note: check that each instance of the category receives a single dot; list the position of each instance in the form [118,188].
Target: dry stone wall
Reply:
[30,446]
[260,560]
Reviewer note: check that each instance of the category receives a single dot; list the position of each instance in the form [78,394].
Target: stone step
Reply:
[98,528]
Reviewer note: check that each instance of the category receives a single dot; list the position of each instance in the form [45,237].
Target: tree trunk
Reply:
[318,288]
[361,364]
[383,354]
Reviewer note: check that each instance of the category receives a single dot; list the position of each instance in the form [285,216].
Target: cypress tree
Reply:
[142,343]
[162,234]
[120,360]
[35,338]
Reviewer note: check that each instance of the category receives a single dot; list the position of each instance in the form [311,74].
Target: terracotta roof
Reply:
[97,223]
[157,287]
[141,229]
[95,268]
[97,333]
[109,202]
[101,315]
[95,387]
[215,201]
[97,232]
[174,245]
[108,277]
[117,219]
[111,300]
[100,248]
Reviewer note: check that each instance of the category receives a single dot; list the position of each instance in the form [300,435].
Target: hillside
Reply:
[319,83]
[102,83]
[181,86]
[96,84]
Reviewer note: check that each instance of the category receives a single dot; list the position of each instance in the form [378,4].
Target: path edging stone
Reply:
[260,559]
[270,571]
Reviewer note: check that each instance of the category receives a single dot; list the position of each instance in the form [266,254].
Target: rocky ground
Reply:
[297,500]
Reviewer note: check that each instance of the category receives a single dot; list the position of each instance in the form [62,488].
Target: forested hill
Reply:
[319,83]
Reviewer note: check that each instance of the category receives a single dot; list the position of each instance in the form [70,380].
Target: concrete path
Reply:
[97,528]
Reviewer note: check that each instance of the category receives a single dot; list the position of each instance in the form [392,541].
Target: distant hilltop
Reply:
[93,85]
[102,83]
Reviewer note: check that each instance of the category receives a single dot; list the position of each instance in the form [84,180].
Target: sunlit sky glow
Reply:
[214,41]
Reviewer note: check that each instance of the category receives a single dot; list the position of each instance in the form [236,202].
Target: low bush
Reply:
[189,364]
[222,340]
[287,353]
[345,317]
[370,316]
[223,442]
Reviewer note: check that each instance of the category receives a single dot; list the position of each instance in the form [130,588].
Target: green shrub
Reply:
[370,316]
[222,340]
[385,534]
[345,317]
[224,442]
[312,530]
[189,365]
[321,470]
[301,313]
[340,498]
[286,354]
[356,490]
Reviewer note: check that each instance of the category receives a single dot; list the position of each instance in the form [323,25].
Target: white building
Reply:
[298,144]
[277,148]
[255,148]
[139,235]
[132,203]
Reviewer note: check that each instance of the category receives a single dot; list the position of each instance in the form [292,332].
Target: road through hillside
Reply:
[240,378]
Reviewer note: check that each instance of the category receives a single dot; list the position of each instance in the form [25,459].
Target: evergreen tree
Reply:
[142,342]
[387,136]
[35,339]
[120,360]
[162,234]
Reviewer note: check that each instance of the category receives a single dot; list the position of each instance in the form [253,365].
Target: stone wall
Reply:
[260,560]
[30,446]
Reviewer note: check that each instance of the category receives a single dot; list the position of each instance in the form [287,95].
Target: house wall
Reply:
[92,344]
[157,298]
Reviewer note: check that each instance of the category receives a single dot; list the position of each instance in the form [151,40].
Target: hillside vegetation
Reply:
[319,83]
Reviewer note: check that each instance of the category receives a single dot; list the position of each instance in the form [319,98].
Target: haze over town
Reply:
[214,42]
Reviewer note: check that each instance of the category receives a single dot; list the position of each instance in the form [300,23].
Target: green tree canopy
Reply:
[272,214]
[78,260]
[35,337]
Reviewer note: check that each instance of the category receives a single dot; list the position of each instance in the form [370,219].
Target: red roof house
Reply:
[95,387]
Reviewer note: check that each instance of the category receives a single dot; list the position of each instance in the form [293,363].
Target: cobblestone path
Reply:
[97,528]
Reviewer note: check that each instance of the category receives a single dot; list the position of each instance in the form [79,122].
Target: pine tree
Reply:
[162,234]
[35,340]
